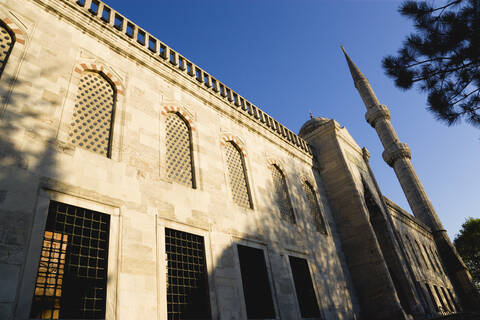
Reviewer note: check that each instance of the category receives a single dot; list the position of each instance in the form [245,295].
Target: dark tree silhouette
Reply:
[443,57]
[467,243]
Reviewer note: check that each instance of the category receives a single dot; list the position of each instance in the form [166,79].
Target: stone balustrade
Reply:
[173,59]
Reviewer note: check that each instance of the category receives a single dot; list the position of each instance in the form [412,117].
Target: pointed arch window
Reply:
[237,175]
[314,207]
[179,150]
[91,126]
[281,197]
[7,40]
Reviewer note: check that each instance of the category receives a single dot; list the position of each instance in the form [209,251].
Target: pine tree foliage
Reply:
[443,57]
[467,243]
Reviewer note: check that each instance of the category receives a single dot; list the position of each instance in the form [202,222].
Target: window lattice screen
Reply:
[236,174]
[281,195]
[6,46]
[187,282]
[314,207]
[72,274]
[179,151]
[93,113]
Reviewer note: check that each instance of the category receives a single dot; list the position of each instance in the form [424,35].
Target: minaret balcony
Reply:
[380,111]
[397,151]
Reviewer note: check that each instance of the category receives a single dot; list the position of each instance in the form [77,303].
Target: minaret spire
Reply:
[356,74]
[361,83]
[398,155]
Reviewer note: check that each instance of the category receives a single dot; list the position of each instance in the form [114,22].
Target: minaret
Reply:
[397,155]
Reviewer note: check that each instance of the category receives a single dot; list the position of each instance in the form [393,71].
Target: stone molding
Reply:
[276,162]
[19,35]
[398,151]
[104,70]
[182,112]
[236,140]
[377,112]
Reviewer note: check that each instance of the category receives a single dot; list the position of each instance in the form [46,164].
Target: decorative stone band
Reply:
[180,110]
[377,112]
[105,71]
[19,36]
[398,151]
[225,138]
[271,163]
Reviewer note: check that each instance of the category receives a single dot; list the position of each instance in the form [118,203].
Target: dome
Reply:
[311,125]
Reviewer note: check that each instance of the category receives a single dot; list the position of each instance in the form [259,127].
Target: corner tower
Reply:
[397,155]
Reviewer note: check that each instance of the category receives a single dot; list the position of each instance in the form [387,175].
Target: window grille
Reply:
[187,283]
[256,287]
[425,263]
[282,199]
[304,288]
[432,297]
[72,273]
[414,251]
[439,296]
[7,41]
[314,207]
[450,305]
[179,150]
[430,258]
[93,114]
[452,298]
[237,176]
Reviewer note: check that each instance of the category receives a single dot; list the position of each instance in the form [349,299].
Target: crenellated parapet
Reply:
[138,37]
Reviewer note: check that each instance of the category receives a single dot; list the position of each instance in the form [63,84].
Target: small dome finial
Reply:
[311,114]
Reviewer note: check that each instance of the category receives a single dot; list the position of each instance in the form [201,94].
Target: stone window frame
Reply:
[238,278]
[312,266]
[271,163]
[161,264]
[189,118]
[316,194]
[16,55]
[240,144]
[118,114]
[13,39]
[34,247]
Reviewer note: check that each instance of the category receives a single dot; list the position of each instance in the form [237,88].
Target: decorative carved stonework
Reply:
[380,111]
[398,151]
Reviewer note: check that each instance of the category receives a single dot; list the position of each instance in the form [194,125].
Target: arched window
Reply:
[7,40]
[314,207]
[179,150]
[282,198]
[237,175]
[91,126]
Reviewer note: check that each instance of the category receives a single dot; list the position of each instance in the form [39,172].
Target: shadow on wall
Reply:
[255,260]
[27,147]
[28,151]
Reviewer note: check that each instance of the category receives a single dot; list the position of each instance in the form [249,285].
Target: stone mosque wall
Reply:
[52,155]
[135,185]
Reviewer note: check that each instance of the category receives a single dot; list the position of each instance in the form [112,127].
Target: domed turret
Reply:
[312,124]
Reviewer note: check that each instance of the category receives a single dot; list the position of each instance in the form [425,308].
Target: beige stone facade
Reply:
[245,184]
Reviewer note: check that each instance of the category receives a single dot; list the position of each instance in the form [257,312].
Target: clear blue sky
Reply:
[284,56]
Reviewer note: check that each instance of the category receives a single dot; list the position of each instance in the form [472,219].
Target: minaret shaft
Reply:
[398,155]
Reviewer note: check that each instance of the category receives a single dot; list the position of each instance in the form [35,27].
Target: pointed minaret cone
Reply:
[398,155]
[356,74]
